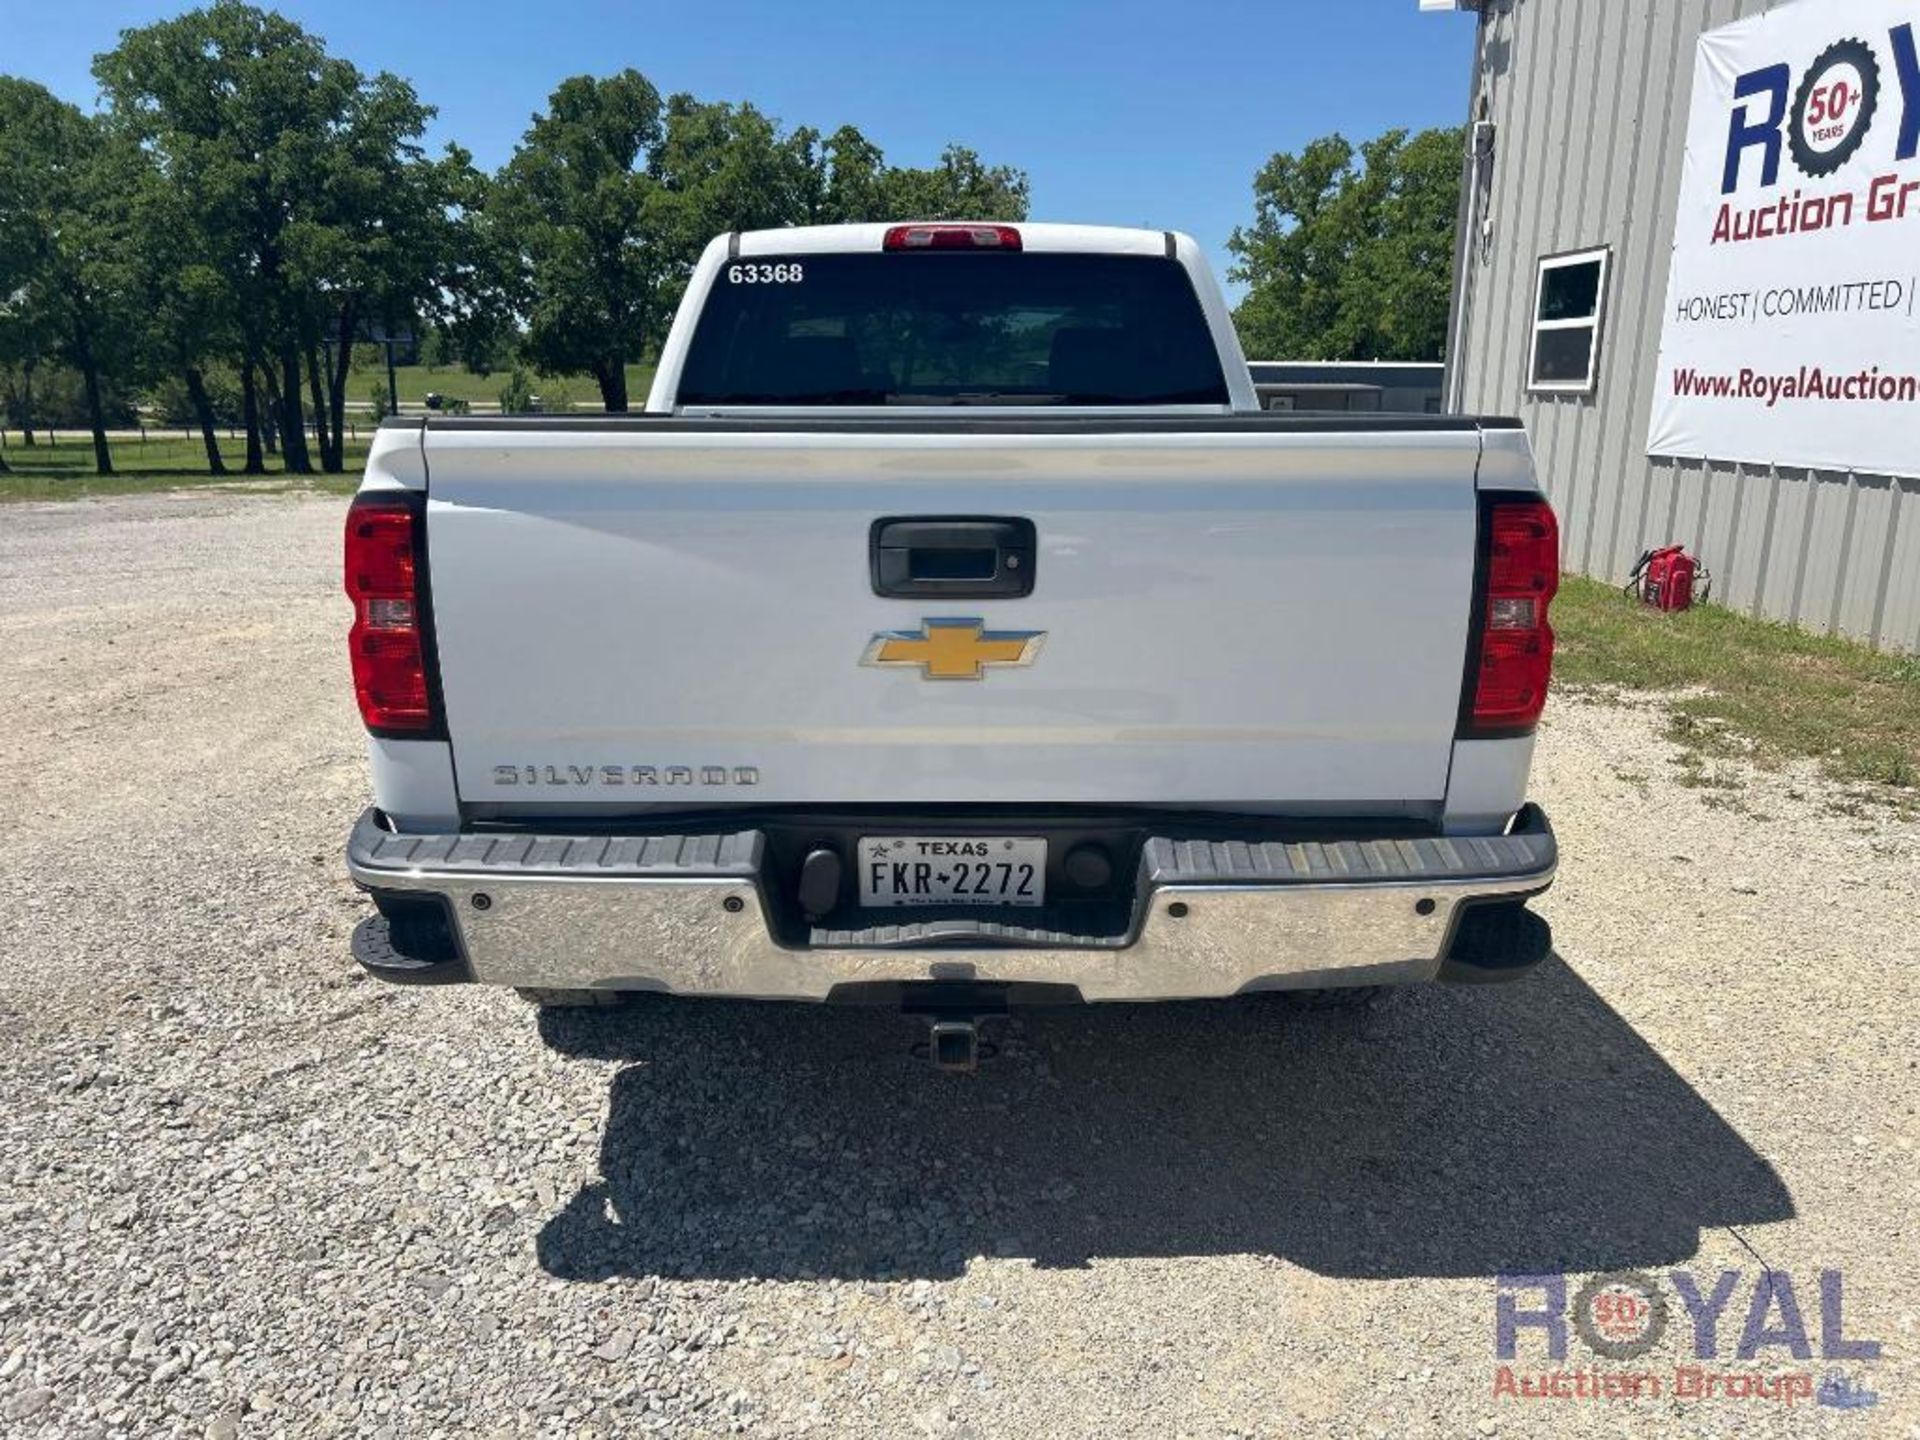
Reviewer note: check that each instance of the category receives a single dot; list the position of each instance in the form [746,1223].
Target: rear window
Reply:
[952,329]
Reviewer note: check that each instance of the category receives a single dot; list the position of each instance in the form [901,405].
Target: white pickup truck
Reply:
[952,629]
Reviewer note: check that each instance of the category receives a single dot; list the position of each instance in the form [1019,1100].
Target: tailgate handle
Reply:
[952,558]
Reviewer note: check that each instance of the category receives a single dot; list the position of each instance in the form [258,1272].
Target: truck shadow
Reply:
[1450,1133]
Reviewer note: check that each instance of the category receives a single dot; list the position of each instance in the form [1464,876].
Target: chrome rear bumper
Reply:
[691,915]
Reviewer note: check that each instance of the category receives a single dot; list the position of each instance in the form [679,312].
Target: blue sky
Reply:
[1121,112]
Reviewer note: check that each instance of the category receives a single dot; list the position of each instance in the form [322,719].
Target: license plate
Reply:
[952,870]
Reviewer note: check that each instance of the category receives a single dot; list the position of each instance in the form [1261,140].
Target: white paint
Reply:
[1506,461]
[1260,618]
[1488,783]
[413,783]
[396,460]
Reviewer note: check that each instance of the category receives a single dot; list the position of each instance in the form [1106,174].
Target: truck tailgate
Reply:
[637,614]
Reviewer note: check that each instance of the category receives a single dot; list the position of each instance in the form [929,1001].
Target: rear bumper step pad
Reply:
[1527,848]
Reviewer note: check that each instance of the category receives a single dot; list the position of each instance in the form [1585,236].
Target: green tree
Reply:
[26,330]
[613,193]
[472,302]
[231,101]
[848,181]
[845,173]
[577,215]
[373,241]
[186,320]
[960,187]
[20,360]
[1350,256]
[310,196]
[437,347]
[63,213]
[517,397]
[722,167]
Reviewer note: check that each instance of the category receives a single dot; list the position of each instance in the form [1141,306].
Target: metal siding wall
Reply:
[1832,511]
[1562,225]
[1589,98]
[1899,606]
[1636,296]
[1861,585]
[1780,581]
[1624,51]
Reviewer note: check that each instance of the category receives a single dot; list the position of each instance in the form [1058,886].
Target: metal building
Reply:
[1580,111]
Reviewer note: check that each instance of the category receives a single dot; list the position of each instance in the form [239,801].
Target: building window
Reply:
[1569,301]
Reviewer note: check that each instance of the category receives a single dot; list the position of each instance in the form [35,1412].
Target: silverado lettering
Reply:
[625,775]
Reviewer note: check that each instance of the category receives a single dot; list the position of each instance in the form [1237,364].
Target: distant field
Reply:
[63,469]
[458,383]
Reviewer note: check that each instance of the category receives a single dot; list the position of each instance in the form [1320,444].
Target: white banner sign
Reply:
[1792,329]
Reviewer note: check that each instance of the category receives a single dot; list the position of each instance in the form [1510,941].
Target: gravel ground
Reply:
[245,1192]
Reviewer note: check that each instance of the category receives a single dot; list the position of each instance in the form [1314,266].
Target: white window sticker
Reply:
[749,274]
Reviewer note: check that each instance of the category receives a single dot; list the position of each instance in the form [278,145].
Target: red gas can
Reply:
[1669,579]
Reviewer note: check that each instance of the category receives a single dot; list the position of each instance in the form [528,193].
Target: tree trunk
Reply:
[342,367]
[270,411]
[203,411]
[323,431]
[612,375]
[26,403]
[96,414]
[293,424]
[250,414]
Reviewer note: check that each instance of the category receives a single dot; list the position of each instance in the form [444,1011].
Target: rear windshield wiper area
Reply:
[976,397]
[1172,397]
[950,398]
[1028,397]
[768,397]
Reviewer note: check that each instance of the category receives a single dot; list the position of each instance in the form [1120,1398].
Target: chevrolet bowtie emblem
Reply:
[953,649]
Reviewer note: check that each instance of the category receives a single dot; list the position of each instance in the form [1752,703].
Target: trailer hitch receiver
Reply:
[953,1044]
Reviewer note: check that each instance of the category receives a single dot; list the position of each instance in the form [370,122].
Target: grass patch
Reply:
[456,382]
[1750,688]
[63,469]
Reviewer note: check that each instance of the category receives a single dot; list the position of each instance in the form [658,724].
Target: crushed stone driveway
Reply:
[244,1191]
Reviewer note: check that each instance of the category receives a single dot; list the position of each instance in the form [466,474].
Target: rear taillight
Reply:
[1513,657]
[952,237]
[388,642]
